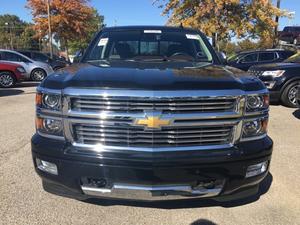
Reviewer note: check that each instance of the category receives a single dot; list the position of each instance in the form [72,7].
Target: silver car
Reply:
[35,70]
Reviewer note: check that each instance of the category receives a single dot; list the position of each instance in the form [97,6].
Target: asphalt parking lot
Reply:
[23,201]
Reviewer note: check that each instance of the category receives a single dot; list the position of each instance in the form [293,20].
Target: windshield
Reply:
[294,58]
[149,45]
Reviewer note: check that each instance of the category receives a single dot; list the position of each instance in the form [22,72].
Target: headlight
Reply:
[254,128]
[49,101]
[256,103]
[21,70]
[49,126]
[273,73]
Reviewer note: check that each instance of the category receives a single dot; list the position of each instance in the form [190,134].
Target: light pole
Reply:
[10,35]
[275,40]
[49,29]
[277,19]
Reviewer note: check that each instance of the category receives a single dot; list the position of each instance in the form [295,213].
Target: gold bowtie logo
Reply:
[153,122]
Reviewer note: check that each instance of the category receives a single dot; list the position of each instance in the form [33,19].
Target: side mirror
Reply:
[78,56]
[222,57]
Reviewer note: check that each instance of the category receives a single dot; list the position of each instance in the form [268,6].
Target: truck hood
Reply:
[153,76]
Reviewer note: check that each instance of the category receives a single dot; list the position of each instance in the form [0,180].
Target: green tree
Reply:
[16,34]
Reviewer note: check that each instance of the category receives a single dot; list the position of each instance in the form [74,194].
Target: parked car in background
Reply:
[35,70]
[10,74]
[58,58]
[42,57]
[245,60]
[290,34]
[282,79]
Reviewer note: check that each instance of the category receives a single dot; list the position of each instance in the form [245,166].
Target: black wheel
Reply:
[38,75]
[288,96]
[7,79]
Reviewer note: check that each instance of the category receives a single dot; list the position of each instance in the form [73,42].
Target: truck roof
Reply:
[162,28]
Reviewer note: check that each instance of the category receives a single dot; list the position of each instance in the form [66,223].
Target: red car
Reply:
[10,74]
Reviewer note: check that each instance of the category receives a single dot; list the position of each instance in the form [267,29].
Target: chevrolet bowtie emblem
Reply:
[153,122]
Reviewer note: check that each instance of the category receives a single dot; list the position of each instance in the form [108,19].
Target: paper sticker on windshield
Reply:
[192,36]
[103,41]
[152,31]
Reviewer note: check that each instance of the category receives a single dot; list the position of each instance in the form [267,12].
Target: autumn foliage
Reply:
[227,18]
[69,18]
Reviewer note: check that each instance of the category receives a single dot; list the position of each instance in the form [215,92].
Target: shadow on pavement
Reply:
[17,90]
[189,203]
[297,114]
[275,103]
[203,222]
[27,84]
[10,92]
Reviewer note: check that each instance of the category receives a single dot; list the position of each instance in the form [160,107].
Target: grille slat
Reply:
[165,105]
[134,108]
[157,136]
[113,102]
[143,140]
[137,136]
[256,73]
[138,130]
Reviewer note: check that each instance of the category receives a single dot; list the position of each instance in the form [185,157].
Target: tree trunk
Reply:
[214,40]
[67,49]
[275,42]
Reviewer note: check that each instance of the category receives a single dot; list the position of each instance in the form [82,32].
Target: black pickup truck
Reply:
[150,113]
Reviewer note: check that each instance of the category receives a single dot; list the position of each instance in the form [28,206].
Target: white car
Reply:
[35,70]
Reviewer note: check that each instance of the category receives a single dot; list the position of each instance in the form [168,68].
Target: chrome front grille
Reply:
[135,136]
[256,73]
[118,119]
[141,104]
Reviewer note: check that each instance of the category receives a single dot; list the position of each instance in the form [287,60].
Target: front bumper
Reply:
[151,176]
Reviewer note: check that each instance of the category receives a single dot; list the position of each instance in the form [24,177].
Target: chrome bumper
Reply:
[152,193]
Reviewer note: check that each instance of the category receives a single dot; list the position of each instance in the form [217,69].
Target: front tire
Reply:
[289,94]
[38,75]
[7,79]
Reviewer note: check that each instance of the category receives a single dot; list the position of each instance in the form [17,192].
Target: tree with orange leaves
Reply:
[70,19]
[226,18]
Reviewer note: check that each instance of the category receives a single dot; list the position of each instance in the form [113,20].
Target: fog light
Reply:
[47,167]
[257,169]
[252,128]
[52,126]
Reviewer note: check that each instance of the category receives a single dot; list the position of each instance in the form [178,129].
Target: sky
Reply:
[131,12]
